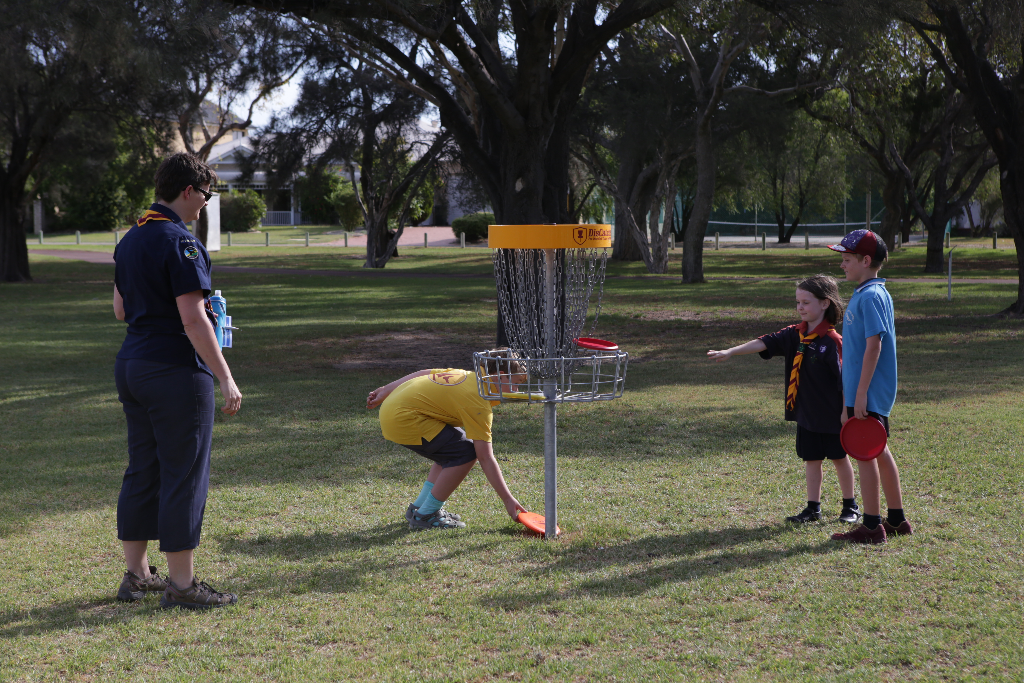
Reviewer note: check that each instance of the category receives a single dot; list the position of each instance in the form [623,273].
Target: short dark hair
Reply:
[825,287]
[177,172]
[503,360]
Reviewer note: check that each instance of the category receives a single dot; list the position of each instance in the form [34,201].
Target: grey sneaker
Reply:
[133,588]
[438,520]
[411,510]
[200,595]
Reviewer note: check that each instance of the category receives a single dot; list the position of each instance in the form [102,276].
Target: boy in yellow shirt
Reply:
[439,414]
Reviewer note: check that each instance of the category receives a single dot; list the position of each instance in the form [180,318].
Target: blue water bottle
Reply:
[223,328]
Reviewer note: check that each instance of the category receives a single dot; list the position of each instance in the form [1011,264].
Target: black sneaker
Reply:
[133,588]
[850,514]
[200,595]
[806,515]
[437,520]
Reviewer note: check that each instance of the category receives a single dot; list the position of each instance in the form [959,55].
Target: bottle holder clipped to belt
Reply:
[222,323]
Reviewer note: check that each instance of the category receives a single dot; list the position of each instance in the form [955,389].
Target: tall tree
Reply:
[351,116]
[984,59]
[59,59]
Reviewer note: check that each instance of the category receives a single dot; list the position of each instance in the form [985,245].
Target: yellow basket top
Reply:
[550,236]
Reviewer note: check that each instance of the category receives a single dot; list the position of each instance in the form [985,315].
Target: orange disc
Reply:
[534,522]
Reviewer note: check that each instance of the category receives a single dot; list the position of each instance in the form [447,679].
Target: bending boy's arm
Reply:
[752,346]
[378,395]
[872,351]
[485,455]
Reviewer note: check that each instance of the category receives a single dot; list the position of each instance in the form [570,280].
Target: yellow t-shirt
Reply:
[420,408]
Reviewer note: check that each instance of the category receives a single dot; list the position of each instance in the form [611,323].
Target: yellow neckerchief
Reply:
[798,359]
[151,215]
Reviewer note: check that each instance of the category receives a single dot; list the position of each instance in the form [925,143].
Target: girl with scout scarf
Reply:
[814,388]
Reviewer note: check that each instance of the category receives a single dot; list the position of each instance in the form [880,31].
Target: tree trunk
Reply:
[14,252]
[1011,186]
[693,239]
[894,198]
[933,260]
[203,226]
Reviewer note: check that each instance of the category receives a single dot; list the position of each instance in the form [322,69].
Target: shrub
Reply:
[328,199]
[241,211]
[474,225]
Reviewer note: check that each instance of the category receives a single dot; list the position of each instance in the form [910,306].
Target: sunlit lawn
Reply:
[675,563]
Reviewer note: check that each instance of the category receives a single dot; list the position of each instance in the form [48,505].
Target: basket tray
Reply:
[599,376]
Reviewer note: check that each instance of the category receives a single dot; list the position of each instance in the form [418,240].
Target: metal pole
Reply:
[764,241]
[307,239]
[716,241]
[78,237]
[672,241]
[117,236]
[755,225]
[807,240]
[949,280]
[994,237]
[266,239]
[40,237]
[346,238]
[550,409]
[229,238]
[462,240]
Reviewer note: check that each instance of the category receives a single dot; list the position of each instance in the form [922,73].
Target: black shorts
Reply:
[812,446]
[450,448]
[883,418]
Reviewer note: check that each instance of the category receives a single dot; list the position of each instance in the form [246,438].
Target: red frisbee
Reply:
[863,439]
[596,344]
[534,522]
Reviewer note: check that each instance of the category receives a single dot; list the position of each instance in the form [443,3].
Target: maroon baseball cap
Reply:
[865,243]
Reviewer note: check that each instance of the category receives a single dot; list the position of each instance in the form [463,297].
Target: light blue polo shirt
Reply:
[869,313]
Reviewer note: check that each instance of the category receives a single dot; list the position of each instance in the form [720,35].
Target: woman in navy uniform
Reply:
[164,373]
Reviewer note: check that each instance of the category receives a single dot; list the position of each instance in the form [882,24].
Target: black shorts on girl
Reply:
[884,419]
[450,448]
[812,446]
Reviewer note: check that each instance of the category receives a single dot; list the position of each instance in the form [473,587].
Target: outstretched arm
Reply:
[485,455]
[378,395]
[752,346]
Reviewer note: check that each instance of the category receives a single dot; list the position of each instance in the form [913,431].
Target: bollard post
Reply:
[117,237]
[995,244]
[899,239]
[716,241]
[229,238]
[946,240]
[78,237]
[807,240]
[307,239]
[672,241]
[424,240]
[266,239]
[346,238]
[764,241]
[40,237]
[462,240]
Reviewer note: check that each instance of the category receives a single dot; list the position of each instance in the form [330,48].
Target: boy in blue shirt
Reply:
[869,381]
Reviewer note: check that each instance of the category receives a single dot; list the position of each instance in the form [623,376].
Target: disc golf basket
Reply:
[546,275]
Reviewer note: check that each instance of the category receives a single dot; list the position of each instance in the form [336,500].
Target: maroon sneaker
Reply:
[133,588]
[199,595]
[862,534]
[903,529]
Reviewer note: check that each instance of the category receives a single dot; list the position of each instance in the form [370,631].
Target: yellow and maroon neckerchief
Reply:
[798,359]
[152,216]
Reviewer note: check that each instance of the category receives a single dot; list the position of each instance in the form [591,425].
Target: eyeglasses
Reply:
[206,195]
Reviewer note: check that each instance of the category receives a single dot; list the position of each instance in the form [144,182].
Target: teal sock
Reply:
[427,488]
[430,506]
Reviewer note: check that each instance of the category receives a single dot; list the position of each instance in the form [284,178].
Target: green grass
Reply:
[674,564]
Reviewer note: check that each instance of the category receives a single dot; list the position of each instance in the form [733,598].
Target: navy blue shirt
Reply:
[155,263]
[819,397]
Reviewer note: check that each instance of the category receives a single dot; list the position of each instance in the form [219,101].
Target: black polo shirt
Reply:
[819,398]
[155,263]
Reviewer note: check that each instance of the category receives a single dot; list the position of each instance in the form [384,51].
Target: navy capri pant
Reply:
[169,409]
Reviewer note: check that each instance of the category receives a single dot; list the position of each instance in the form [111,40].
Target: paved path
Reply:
[106,257]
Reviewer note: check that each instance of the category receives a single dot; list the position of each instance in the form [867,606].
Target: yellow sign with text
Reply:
[550,236]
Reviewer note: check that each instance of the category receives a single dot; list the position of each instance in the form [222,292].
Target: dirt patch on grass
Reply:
[406,350]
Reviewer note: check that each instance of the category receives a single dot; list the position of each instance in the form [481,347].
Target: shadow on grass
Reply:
[80,615]
[649,573]
[317,544]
